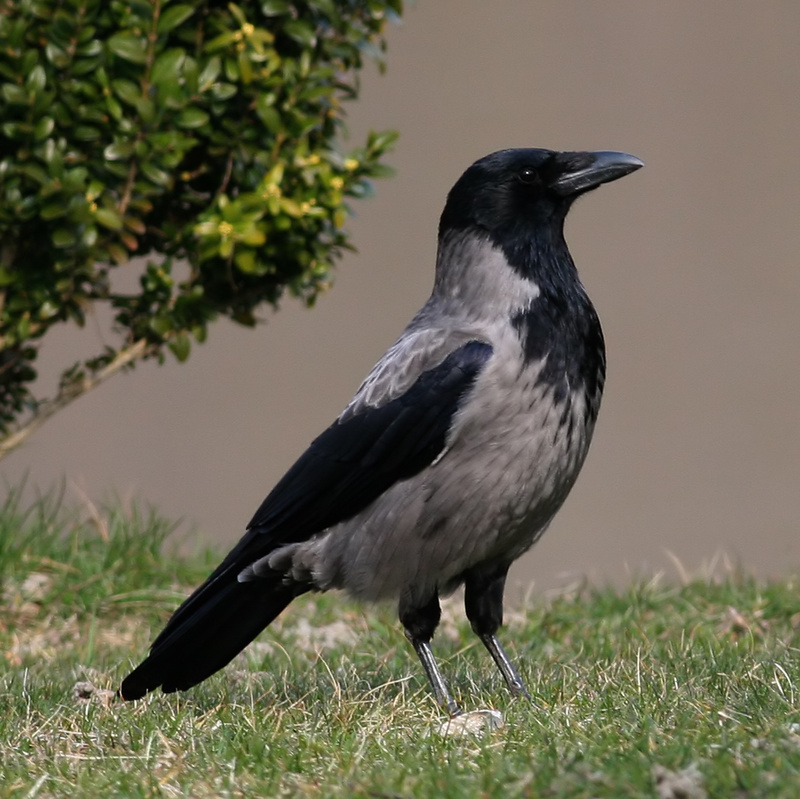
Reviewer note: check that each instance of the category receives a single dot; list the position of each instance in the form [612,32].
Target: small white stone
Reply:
[475,722]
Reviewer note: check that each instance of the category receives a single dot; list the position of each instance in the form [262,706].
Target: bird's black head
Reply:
[514,192]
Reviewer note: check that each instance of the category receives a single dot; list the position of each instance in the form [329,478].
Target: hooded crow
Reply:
[454,454]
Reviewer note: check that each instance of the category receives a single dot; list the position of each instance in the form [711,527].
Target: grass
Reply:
[655,691]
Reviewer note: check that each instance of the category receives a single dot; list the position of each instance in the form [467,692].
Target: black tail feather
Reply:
[221,624]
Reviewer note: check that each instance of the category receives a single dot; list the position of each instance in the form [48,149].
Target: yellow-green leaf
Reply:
[253,236]
[246,261]
[118,254]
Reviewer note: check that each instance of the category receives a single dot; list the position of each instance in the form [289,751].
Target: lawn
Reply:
[655,691]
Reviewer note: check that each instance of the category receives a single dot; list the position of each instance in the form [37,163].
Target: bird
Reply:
[454,454]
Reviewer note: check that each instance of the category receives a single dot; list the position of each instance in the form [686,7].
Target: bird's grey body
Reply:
[507,464]
[454,454]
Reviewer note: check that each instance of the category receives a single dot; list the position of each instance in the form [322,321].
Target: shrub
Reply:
[202,136]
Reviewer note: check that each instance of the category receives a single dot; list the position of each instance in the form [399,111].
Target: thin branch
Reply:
[122,206]
[127,192]
[70,392]
[226,178]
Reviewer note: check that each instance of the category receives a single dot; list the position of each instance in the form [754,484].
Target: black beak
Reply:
[580,172]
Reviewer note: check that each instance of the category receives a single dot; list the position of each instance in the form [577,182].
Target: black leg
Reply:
[483,601]
[510,674]
[420,624]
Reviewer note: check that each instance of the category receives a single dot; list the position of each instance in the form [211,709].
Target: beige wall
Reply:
[693,264]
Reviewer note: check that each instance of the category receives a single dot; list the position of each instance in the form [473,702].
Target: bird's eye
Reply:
[527,175]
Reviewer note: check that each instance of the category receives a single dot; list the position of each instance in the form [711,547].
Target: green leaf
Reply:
[15,94]
[192,117]
[109,218]
[173,16]
[75,178]
[146,109]
[36,79]
[53,157]
[273,8]
[326,6]
[118,151]
[253,236]
[238,13]
[63,237]
[131,48]
[89,237]
[160,325]
[206,229]
[114,108]
[129,240]
[221,41]
[210,72]
[269,116]
[245,261]
[156,175]
[231,70]
[118,168]
[91,48]
[35,172]
[53,211]
[191,70]
[181,346]
[84,65]
[167,67]
[135,224]
[47,310]
[381,171]
[225,248]
[290,207]
[56,56]
[223,91]
[118,254]
[86,133]
[43,128]
[23,328]
[245,67]
[126,90]
[301,32]
[382,141]
[62,26]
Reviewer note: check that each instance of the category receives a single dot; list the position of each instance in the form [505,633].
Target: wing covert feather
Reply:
[362,454]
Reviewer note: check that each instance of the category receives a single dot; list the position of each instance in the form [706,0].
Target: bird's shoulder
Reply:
[422,347]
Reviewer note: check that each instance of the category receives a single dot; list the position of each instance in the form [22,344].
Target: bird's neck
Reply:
[542,258]
[474,278]
[503,277]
